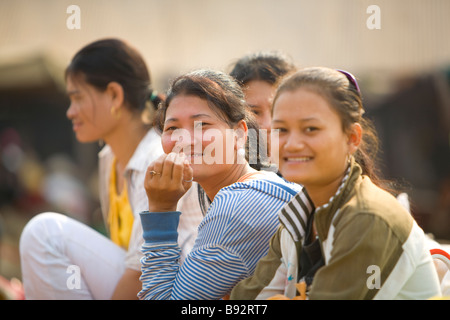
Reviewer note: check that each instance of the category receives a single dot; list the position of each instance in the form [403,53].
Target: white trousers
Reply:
[64,259]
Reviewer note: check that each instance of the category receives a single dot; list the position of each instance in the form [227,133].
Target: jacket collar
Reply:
[324,214]
[295,214]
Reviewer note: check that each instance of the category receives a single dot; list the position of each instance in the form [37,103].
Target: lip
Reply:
[194,156]
[297,159]
[76,125]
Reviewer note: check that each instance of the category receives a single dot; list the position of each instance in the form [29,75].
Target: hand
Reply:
[167,179]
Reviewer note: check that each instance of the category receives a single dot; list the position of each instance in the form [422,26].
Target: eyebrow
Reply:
[72,92]
[300,120]
[195,116]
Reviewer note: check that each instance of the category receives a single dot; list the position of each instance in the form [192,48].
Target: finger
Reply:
[177,148]
[148,175]
[158,166]
[178,167]
[188,174]
[167,169]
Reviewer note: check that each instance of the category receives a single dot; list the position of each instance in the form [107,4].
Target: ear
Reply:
[115,91]
[241,131]
[354,137]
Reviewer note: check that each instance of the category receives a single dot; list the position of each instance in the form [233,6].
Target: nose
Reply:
[70,113]
[184,141]
[294,143]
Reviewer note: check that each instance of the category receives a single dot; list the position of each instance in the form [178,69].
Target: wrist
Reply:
[160,226]
[158,207]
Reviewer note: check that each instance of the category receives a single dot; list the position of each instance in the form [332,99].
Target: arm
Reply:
[360,244]
[269,277]
[207,273]
[128,286]
[161,253]
[276,273]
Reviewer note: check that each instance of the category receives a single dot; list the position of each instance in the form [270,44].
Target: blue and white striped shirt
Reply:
[232,237]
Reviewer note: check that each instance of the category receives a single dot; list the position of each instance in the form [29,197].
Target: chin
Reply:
[292,176]
[294,179]
[84,139]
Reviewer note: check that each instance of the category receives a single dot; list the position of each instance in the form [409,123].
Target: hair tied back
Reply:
[154,96]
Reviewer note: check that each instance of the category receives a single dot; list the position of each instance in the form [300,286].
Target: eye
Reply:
[172,128]
[201,124]
[280,129]
[311,129]
[74,97]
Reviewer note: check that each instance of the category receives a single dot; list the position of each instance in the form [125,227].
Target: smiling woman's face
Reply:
[313,147]
[191,126]
[89,111]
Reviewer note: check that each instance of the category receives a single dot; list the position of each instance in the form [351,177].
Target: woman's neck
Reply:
[124,141]
[321,194]
[213,184]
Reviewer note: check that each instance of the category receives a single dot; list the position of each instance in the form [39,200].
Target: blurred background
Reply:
[403,69]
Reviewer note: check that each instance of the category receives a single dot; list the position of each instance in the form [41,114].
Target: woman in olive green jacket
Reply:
[349,238]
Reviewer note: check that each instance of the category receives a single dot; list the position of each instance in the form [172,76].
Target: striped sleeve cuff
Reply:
[160,227]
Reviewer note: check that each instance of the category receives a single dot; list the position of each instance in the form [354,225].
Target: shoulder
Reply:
[105,160]
[149,149]
[105,153]
[256,200]
[372,203]
[268,185]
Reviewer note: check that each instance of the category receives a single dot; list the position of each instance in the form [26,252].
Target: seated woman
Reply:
[204,123]
[357,241]
[108,84]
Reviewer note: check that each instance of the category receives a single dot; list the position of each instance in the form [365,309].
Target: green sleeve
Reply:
[361,246]
[250,288]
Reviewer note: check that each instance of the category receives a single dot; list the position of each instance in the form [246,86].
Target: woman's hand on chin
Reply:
[167,179]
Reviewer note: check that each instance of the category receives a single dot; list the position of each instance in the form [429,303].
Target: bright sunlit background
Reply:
[403,69]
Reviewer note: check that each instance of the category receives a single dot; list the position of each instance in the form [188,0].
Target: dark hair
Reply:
[223,95]
[268,66]
[113,60]
[345,98]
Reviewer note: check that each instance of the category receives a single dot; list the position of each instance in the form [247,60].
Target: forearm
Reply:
[209,272]
[275,273]
[206,274]
[358,259]
[159,269]
[161,254]
[128,286]
[252,287]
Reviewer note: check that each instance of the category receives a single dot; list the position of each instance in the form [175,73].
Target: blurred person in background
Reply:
[259,74]
[109,87]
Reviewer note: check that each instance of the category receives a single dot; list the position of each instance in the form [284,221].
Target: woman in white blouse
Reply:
[109,88]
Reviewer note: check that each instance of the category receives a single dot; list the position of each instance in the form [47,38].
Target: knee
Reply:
[39,230]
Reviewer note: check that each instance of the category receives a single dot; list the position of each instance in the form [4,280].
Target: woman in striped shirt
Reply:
[205,123]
